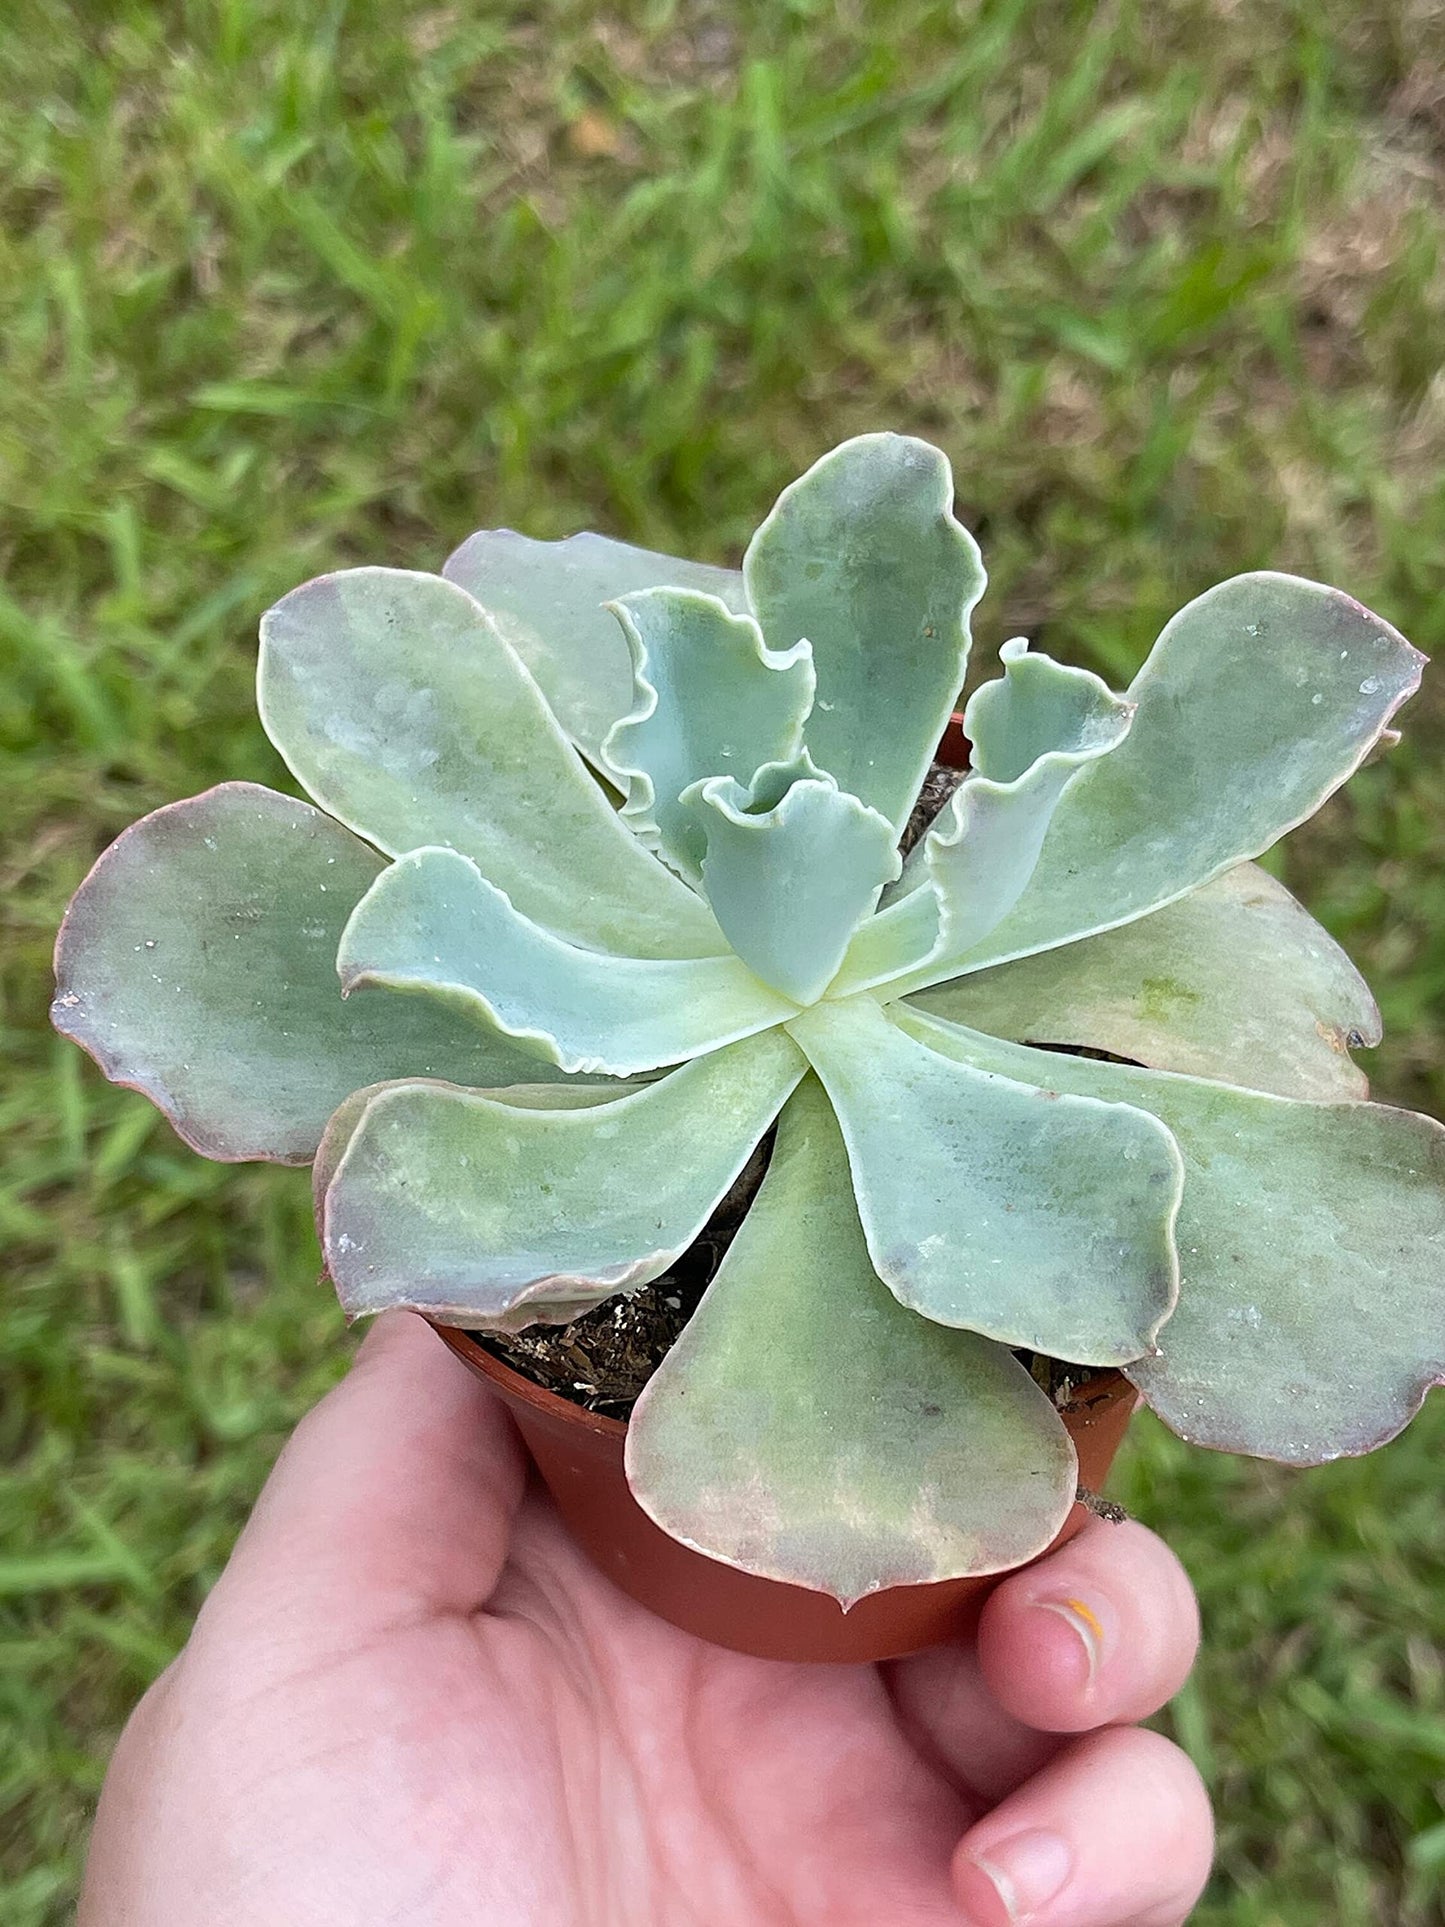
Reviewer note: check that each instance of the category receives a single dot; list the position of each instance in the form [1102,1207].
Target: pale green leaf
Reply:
[807,1428]
[709,700]
[396,702]
[1033,730]
[471,1209]
[1311,1316]
[890,947]
[1235,981]
[863,558]
[792,866]
[432,924]
[1038,709]
[994,1203]
[548,598]
[197,964]
[571,1094]
[341,1128]
[1260,698]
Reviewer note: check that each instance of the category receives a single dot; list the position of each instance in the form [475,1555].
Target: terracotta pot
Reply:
[579,1455]
[953,745]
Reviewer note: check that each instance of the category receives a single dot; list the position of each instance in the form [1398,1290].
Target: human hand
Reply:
[411,1700]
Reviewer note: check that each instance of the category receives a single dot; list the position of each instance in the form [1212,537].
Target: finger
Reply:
[952,1719]
[393,1496]
[1103,1630]
[1115,1833]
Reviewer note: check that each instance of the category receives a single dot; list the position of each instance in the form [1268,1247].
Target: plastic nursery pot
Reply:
[579,1455]
[953,745]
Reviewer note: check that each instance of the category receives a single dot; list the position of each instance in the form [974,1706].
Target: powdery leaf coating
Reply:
[793,866]
[471,1209]
[709,700]
[396,702]
[1258,700]
[1003,1207]
[808,1428]
[1033,730]
[862,557]
[573,1095]
[1311,1316]
[1039,708]
[1235,981]
[432,924]
[549,601]
[197,963]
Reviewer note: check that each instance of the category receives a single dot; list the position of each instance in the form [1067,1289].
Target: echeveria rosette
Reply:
[579,996]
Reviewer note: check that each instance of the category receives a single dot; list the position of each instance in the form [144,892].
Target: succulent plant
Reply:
[603,882]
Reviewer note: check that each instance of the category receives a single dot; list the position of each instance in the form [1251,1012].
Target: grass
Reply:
[285,288]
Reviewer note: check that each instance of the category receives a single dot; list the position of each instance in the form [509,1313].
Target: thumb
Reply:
[393,1498]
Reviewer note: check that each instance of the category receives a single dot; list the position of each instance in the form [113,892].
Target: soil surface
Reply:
[938,786]
[603,1359]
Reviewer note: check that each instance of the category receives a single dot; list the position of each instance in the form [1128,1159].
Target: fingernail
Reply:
[1025,1871]
[1087,1624]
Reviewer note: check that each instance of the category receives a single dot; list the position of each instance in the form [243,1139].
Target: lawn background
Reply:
[285,287]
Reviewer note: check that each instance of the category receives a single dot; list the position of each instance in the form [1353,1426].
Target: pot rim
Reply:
[953,746]
[526,1390]
[1109,1384]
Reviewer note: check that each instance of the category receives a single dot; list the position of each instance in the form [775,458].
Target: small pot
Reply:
[579,1454]
[953,746]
